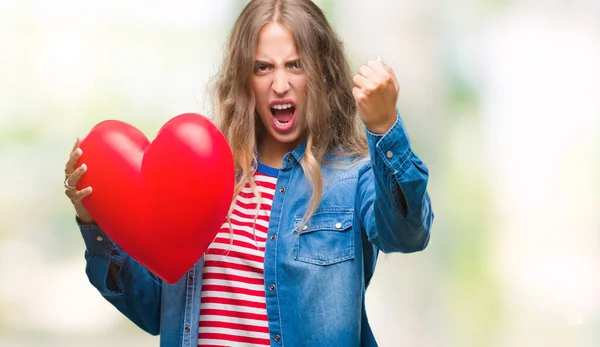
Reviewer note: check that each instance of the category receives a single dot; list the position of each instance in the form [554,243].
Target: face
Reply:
[279,87]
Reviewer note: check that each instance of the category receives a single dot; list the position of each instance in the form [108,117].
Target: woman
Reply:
[315,202]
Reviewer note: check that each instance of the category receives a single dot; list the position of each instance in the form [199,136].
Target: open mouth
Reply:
[284,113]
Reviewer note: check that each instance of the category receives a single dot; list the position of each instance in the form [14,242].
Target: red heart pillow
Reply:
[161,202]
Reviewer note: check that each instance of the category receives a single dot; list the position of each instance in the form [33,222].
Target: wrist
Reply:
[83,217]
[383,127]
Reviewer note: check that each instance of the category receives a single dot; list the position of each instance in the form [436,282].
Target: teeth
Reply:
[282,106]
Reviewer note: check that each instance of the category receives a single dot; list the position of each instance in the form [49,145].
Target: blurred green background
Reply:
[501,100]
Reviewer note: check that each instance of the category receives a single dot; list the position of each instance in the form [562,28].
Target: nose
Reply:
[280,83]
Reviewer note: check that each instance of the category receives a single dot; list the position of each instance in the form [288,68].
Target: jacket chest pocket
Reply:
[326,239]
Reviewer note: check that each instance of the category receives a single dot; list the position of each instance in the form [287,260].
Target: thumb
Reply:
[389,69]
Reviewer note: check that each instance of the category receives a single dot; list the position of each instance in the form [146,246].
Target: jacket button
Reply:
[282,190]
[289,159]
[190,278]
[99,238]
[338,225]
[277,338]
[187,330]
[273,236]
[271,287]
[389,154]
[305,227]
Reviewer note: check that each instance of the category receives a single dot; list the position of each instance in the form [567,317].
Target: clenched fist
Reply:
[376,92]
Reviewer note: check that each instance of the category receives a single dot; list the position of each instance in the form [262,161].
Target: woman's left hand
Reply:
[376,92]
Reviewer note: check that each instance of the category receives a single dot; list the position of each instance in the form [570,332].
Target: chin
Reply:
[292,137]
[287,138]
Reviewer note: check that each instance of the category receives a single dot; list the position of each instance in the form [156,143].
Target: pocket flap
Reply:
[338,220]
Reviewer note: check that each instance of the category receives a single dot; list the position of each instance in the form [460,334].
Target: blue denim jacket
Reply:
[316,277]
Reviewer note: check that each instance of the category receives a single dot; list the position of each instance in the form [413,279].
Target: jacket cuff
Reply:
[96,241]
[391,149]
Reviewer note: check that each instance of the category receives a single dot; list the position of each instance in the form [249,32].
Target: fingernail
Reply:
[89,189]
[83,167]
[379,58]
[78,151]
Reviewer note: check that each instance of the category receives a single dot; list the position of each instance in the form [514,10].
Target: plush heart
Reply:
[161,202]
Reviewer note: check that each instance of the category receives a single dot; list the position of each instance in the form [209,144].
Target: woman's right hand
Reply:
[72,176]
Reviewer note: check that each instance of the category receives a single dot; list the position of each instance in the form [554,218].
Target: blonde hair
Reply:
[331,114]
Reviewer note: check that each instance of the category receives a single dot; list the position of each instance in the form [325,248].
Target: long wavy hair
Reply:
[331,114]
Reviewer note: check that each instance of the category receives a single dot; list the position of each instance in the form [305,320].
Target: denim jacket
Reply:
[315,277]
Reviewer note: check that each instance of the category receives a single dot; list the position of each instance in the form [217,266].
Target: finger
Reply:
[378,68]
[379,59]
[387,67]
[77,197]
[76,175]
[360,81]
[73,193]
[77,143]
[367,72]
[383,71]
[359,96]
[73,158]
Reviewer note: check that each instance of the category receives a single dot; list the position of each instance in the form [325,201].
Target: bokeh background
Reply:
[501,99]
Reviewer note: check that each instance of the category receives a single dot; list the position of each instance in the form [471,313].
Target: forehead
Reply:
[275,41]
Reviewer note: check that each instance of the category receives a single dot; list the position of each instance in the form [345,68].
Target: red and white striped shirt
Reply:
[233,309]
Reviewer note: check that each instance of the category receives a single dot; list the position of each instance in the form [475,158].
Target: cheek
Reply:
[258,90]
[301,87]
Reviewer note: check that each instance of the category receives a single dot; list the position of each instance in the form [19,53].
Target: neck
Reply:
[271,152]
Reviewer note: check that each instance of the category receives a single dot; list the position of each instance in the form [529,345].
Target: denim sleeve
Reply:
[135,293]
[395,208]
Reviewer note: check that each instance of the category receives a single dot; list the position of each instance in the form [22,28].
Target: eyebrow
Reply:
[258,62]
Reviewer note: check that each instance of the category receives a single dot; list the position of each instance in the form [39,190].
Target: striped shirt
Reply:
[233,309]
